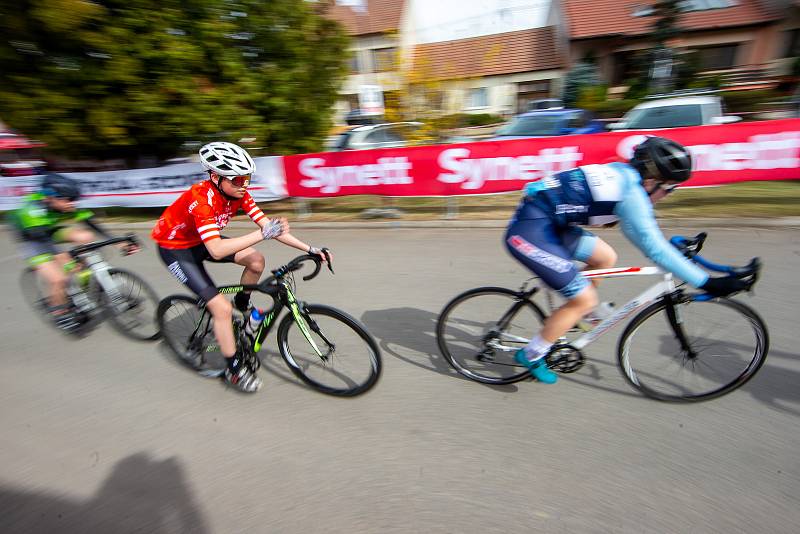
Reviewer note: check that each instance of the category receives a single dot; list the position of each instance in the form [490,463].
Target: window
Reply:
[383,59]
[478,97]
[792,43]
[578,120]
[354,66]
[376,136]
[717,57]
[533,126]
[640,10]
[703,5]
[666,117]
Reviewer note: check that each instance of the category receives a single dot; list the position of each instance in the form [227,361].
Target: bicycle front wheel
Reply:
[132,307]
[329,350]
[480,330]
[727,344]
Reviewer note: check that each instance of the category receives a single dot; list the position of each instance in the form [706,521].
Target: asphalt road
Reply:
[108,435]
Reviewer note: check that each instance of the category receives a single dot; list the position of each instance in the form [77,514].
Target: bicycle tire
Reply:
[481,362]
[30,286]
[177,318]
[339,361]
[698,318]
[134,293]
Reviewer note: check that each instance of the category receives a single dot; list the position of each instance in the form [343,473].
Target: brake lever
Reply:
[327,255]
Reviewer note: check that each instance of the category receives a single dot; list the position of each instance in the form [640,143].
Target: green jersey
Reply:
[34,218]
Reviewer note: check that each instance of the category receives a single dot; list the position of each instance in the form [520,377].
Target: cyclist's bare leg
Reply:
[253,263]
[570,313]
[603,257]
[53,274]
[222,312]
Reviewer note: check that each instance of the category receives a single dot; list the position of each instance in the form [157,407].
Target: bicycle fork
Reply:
[676,322]
[306,324]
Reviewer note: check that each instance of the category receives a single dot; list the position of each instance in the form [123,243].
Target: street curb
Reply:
[738,223]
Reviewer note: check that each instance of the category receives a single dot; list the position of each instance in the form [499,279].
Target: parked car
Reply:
[675,112]
[545,103]
[19,156]
[549,122]
[389,135]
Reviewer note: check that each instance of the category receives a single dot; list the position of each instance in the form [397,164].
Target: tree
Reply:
[582,74]
[665,27]
[132,78]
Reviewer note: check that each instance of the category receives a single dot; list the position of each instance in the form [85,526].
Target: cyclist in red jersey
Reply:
[188,233]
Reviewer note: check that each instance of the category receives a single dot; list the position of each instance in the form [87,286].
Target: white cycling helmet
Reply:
[226,159]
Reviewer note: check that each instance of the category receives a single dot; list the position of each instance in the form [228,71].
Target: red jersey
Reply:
[198,216]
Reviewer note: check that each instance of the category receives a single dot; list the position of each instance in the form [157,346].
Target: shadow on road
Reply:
[409,334]
[776,386]
[140,495]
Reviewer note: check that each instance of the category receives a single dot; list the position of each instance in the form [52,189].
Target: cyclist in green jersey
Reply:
[43,221]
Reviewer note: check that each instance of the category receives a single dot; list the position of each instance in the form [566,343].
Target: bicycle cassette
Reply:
[565,358]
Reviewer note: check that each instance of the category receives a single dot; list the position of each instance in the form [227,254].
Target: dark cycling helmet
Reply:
[662,159]
[58,185]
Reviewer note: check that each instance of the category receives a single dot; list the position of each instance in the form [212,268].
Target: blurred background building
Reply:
[496,56]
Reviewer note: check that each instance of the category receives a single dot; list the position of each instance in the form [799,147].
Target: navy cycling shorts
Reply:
[548,250]
[186,264]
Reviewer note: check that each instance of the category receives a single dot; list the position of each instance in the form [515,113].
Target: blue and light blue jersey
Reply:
[601,194]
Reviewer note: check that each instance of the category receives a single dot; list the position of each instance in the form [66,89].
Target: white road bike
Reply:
[682,345]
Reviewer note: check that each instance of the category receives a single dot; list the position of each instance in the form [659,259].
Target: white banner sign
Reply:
[159,186]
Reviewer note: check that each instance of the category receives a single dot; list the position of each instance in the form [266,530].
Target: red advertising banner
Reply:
[765,150]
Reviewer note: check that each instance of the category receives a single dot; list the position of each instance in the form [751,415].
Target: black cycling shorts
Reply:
[186,264]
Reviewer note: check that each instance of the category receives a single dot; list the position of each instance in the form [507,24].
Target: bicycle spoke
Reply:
[726,342]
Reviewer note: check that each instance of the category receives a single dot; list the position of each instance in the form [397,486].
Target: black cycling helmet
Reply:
[58,185]
[662,159]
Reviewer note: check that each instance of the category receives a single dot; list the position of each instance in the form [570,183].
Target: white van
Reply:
[674,112]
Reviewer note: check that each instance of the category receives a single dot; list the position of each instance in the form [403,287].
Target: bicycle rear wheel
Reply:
[728,344]
[329,350]
[34,290]
[188,332]
[480,330]
[133,313]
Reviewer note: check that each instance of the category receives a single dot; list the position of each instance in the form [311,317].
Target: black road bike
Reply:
[323,346]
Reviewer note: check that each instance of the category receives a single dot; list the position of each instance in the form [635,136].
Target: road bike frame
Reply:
[92,260]
[282,296]
[659,290]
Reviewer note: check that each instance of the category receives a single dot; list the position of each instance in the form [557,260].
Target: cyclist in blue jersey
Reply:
[545,234]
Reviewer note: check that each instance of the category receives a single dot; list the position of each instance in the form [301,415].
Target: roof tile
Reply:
[380,16]
[598,18]
[491,55]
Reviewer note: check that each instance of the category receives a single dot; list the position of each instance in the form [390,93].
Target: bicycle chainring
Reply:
[564,358]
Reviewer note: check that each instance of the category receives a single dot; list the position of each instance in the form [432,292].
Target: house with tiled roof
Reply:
[480,56]
[494,56]
[486,56]
[729,36]
[374,27]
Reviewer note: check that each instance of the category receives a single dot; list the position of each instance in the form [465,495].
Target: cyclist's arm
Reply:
[92,223]
[208,229]
[252,210]
[639,225]
[292,241]
[220,248]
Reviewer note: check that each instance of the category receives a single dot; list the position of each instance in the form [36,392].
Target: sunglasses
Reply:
[668,188]
[240,181]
